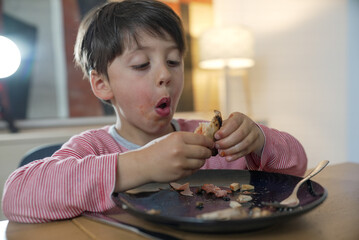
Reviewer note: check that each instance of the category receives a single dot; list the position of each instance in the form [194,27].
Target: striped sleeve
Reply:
[281,153]
[79,177]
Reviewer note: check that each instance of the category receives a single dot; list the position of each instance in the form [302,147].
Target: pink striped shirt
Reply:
[81,175]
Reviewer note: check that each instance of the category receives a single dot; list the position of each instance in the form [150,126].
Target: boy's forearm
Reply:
[56,188]
[281,153]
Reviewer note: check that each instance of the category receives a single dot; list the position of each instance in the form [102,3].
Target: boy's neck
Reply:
[142,138]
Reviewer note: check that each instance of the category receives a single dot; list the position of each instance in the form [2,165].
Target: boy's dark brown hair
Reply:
[105,31]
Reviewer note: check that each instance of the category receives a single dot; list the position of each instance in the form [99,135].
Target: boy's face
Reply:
[146,83]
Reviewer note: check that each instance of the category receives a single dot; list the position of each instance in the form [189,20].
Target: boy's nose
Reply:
[164,76]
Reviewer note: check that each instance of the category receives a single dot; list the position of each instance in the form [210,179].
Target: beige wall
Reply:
[299,81]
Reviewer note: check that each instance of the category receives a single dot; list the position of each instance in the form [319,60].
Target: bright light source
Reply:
[231,63]
[221,47]
[10,57]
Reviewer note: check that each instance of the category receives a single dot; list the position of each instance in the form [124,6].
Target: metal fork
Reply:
[292,201]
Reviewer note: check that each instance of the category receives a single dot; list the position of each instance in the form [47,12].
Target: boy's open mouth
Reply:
[163,103]
[163,106]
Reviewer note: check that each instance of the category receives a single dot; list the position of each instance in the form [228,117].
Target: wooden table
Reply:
[336,218]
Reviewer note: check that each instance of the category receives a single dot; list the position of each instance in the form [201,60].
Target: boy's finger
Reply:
[193,164]
[198,139]
[242,147]
[198,152]
[238,136]
[229,126]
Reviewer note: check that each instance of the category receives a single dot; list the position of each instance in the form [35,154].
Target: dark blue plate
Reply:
[178,211]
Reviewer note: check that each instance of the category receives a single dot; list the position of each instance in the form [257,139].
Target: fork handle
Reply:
[322,164]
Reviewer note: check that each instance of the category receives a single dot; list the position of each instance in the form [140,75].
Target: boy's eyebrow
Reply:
[141,47]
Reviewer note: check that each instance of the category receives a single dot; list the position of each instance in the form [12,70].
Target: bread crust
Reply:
[210,128]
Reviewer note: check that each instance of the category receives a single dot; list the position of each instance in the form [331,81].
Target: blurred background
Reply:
[289,64]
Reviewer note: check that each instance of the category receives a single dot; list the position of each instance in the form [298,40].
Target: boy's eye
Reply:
[173,63]
[141,66]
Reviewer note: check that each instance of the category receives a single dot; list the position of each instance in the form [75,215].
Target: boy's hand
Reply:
[238,137]
[176,155]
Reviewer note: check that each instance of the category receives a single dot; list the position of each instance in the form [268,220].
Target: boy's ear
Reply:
[100,86]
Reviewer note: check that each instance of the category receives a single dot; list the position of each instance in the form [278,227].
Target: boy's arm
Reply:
[74,180]
[83,174]
[281,153]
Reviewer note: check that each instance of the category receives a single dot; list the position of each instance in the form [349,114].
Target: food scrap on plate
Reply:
[183,189]
[224,214]
[237,194]
[217,191]
[244,198]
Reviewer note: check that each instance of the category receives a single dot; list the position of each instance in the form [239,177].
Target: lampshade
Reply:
[226,47]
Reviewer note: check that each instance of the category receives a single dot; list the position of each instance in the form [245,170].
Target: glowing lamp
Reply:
[10,57]
[223,47]
[228,48]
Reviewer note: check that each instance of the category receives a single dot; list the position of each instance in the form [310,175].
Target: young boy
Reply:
[132,53]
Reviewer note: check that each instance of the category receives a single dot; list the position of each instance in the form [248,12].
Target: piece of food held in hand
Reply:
[210,128]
